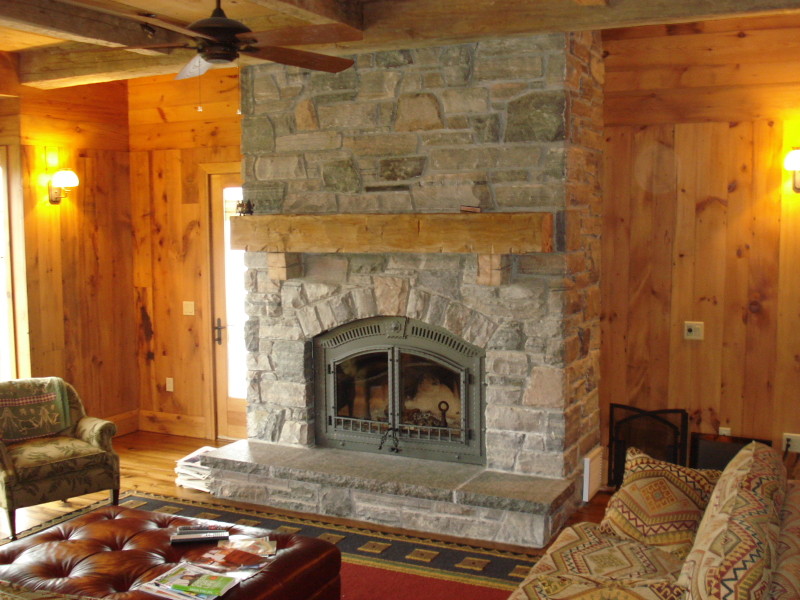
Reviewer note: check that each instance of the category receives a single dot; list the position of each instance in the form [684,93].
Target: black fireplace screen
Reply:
[660,433]
[398,385]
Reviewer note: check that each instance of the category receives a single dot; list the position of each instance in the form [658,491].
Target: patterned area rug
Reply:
[360,546]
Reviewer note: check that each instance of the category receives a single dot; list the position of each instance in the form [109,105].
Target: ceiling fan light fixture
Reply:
[220,27]
[219,53]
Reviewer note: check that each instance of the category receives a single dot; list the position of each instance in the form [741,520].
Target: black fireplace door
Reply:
[397,385]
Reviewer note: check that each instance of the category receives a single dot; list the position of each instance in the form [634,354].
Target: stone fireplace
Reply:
[452,189]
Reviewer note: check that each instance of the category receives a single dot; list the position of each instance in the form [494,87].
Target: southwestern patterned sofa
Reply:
[671,532]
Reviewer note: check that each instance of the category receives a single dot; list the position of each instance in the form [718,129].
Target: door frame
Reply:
[219,408]
[14,236]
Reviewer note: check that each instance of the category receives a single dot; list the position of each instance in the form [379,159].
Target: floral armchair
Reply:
[49,449]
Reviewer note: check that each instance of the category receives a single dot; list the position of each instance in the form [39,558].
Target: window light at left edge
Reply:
[61,183]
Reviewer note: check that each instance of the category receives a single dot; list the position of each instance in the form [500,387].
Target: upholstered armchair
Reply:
[50,450]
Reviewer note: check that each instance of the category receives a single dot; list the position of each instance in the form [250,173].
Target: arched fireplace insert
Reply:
[394,384]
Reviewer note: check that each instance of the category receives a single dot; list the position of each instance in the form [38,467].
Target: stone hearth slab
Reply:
[448,498]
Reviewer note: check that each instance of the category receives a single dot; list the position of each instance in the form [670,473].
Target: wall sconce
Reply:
[60,185]
[792,163]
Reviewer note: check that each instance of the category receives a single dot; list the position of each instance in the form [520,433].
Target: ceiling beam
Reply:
[65,65]
[56,19]
[317,12]
[399,23]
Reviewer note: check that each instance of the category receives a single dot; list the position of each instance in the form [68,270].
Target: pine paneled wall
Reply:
[78,253]
[174,149]
[701,224]
[109,268]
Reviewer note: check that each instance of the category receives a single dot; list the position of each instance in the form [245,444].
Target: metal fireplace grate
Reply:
[392,384]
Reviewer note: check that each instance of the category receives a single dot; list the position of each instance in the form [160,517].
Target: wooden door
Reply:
[230,353]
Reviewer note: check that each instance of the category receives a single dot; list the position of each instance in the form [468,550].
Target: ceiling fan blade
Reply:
[302,35]
[146,47]
[120,10]
[300,58]
[194,68]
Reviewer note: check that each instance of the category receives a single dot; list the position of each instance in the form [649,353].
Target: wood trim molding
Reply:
[458,233]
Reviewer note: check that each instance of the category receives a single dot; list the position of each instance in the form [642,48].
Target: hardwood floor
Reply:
[148,463]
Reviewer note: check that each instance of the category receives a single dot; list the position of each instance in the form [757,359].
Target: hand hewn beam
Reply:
[66,65]
[348,12]
[48,17]
[459,233]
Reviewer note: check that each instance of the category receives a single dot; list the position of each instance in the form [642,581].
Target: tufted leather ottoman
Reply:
[109,551]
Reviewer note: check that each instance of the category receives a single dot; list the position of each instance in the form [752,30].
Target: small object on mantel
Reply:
[244,207]
[472,209]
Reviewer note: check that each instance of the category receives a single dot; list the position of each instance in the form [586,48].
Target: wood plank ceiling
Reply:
[49,39]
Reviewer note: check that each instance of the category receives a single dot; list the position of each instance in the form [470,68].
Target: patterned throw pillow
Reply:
[659,503]
[786,576]
[585,563]
[32,408]
[737,541]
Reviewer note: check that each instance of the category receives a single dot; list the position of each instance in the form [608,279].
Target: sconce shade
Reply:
[60,184]
[65,179]
[792,163]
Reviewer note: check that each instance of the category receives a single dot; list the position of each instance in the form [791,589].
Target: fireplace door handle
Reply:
[218,332]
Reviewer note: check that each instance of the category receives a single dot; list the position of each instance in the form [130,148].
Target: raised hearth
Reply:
[457,499]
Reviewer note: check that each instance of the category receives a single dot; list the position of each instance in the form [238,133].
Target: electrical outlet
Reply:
[724,430]
[791,442]
[694,330]
[170,384]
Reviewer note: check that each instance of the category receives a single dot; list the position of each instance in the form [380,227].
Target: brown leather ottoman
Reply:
[109,551]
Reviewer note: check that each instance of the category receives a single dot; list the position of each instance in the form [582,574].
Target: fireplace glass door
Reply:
[394,385]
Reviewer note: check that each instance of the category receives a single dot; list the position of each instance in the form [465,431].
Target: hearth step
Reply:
[461,500]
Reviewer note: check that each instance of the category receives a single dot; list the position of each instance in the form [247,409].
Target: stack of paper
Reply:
[190,473]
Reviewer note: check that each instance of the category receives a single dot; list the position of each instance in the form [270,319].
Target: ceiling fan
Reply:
[219,39]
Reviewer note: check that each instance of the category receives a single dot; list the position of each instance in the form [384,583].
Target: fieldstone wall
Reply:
[424,130]
[501,125]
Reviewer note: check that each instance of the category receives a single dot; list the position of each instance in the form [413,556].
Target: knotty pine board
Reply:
[706,248]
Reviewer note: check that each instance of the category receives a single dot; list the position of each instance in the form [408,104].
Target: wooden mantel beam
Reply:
[461,233]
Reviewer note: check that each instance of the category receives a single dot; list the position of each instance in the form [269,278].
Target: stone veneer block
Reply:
[460,499]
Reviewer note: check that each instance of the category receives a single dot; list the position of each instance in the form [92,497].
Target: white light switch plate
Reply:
[188,307]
